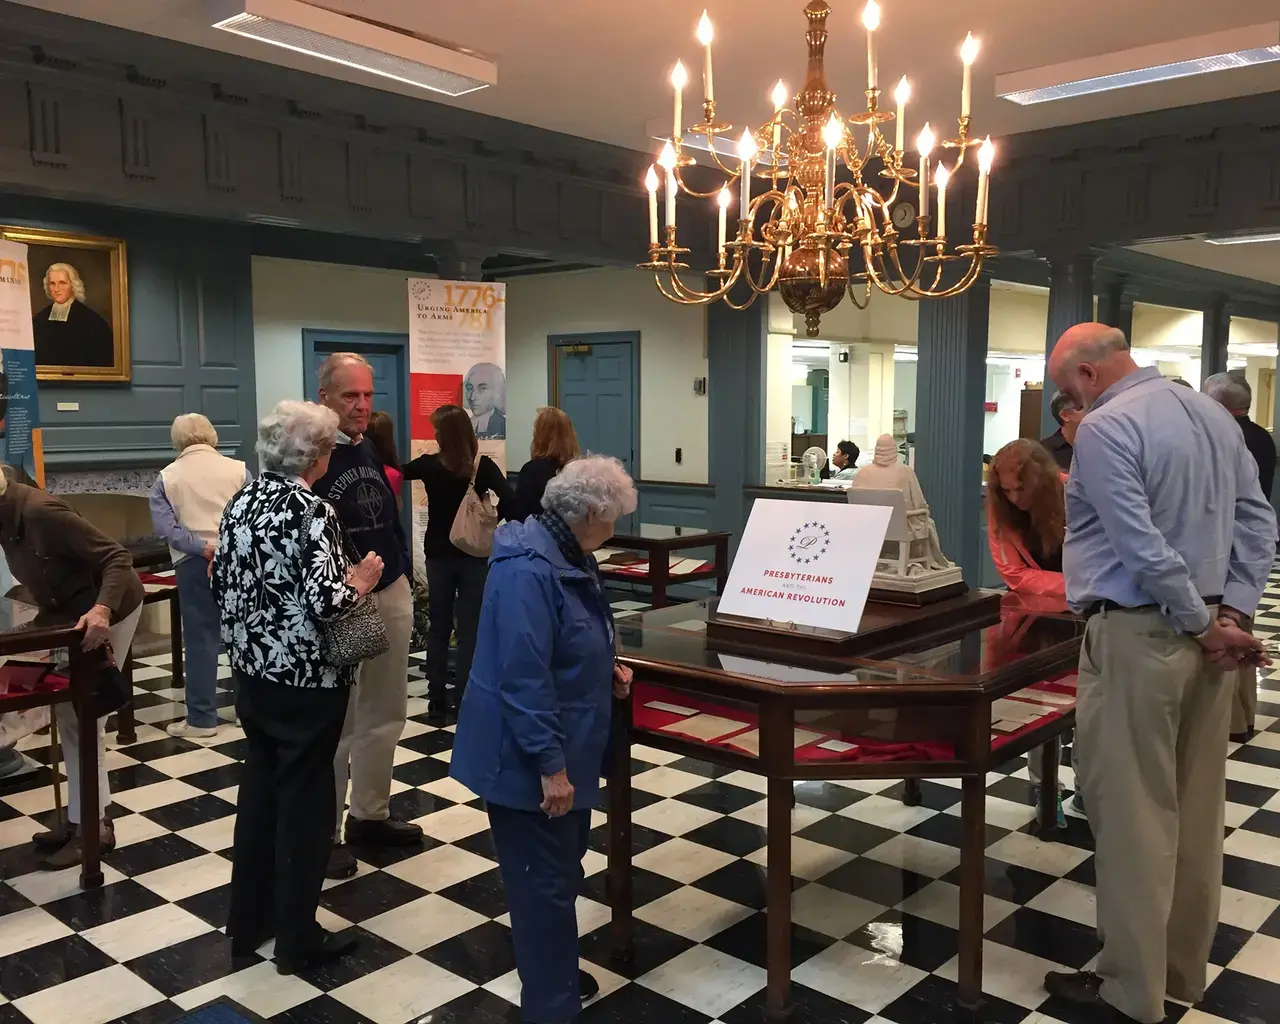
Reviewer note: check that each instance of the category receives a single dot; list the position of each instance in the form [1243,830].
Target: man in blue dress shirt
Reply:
[1169,542]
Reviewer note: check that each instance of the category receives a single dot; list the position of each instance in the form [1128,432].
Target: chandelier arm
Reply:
[733,176]
[866,293]
[733,172]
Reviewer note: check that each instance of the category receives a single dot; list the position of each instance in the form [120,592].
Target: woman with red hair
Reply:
[1026,524]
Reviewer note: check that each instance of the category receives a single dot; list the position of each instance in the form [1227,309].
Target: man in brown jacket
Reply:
[70,568]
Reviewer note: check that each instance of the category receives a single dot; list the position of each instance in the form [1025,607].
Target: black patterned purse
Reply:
[358,635]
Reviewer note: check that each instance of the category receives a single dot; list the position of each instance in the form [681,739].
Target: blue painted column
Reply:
[1070,303]
[1213,338]
[951,384]
[1115,306]
[736,343]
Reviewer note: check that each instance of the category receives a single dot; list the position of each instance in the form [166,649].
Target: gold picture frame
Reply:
[85,336]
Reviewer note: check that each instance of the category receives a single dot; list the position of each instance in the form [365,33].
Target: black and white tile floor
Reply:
[875,901]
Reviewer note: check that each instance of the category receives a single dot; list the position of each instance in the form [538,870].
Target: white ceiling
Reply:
[598,69]
[1258,260]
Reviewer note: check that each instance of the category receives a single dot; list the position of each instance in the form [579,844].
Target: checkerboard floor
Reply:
[875,904]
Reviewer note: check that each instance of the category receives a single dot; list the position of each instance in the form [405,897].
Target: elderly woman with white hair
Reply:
[534,722]
[281,569]
[187,502]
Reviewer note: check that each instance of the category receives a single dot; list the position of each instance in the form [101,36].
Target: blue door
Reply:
[595,385]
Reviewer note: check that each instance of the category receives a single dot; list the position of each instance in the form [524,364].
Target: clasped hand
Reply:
[1229,645]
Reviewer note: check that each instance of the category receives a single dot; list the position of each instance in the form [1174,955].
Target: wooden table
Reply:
[935,694]
[51,632]
[658,542]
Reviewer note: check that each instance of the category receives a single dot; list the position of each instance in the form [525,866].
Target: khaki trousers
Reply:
[376,714]
[1245,703]
[120,636]
[1151,721]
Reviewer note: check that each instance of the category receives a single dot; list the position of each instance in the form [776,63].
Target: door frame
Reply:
[373,343]
[558,341]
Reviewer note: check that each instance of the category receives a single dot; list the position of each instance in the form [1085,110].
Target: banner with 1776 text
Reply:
[457,356]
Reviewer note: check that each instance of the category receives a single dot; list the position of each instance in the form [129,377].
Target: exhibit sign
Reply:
[457,356]
[806,563]
[20,441]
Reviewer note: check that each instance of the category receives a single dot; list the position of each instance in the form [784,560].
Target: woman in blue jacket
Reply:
[534,721]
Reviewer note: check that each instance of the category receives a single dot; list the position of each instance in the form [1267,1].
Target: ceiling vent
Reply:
[356,42]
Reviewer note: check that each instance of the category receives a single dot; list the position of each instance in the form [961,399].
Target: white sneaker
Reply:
[185,730]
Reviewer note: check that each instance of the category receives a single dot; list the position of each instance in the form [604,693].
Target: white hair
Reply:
[192,428]
[77,286]
[337,361]
[294,436]
[592,483]
[1229,390]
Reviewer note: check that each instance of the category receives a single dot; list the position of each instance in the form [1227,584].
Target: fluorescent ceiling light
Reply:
[1200,55]
[1270,236]
[659,129]
[356,42]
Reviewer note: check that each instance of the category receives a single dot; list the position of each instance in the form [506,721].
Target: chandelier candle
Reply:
[779,98]
[832,133]
[746,154]
[871,22]
[924,145]
[723,199]
[941,177]
[705,34]
[901,95]
[679,77]
[667,161]
[968,54]
[651,186]
[803,234]
[986,157]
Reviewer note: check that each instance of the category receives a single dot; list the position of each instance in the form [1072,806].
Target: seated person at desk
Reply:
[845,459]
[1026,524]
[72,570]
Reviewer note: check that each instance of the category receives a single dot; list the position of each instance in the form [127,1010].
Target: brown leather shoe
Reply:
[56,837]
[71,853]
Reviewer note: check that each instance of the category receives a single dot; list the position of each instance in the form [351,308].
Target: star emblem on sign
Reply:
[809,543]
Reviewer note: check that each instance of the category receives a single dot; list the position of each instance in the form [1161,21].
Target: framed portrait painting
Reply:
[79,304]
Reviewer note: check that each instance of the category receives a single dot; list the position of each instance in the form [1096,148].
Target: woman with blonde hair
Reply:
[555,443]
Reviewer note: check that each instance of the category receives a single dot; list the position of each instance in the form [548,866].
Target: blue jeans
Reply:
[541,863]
[200,640]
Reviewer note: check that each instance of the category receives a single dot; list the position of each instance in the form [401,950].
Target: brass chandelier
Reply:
[815,238]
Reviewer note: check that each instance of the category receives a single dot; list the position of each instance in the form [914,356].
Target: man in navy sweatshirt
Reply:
[357,487]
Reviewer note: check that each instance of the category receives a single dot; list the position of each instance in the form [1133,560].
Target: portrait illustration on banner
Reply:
[79,302]
[484,392]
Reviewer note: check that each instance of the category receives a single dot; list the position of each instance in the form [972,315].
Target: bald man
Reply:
[1169,542]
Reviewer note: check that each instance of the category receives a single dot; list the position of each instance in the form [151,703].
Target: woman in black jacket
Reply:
[554,444]
[455,579]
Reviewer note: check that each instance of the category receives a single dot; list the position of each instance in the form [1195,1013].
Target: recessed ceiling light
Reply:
[1269,236]
[1160,62]
[356,42]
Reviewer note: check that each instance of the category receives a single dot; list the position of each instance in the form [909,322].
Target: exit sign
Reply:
[990,406]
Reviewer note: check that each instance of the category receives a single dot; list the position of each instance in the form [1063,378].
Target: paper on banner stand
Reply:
[806,566]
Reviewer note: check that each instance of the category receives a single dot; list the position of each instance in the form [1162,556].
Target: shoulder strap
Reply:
[475,470]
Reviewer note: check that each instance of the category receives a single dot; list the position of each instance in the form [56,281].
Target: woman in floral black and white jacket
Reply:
[280,568]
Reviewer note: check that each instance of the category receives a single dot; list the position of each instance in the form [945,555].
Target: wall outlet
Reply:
[679,456]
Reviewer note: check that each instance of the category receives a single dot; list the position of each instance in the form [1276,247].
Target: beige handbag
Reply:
[473,526]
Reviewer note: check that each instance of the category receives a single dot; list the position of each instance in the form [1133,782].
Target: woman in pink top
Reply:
[1026,519]
[1026,524]
[382,433]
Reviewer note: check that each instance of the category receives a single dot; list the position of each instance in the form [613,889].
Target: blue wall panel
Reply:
[191,338]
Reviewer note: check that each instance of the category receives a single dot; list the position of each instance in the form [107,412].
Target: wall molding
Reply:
[107,115]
